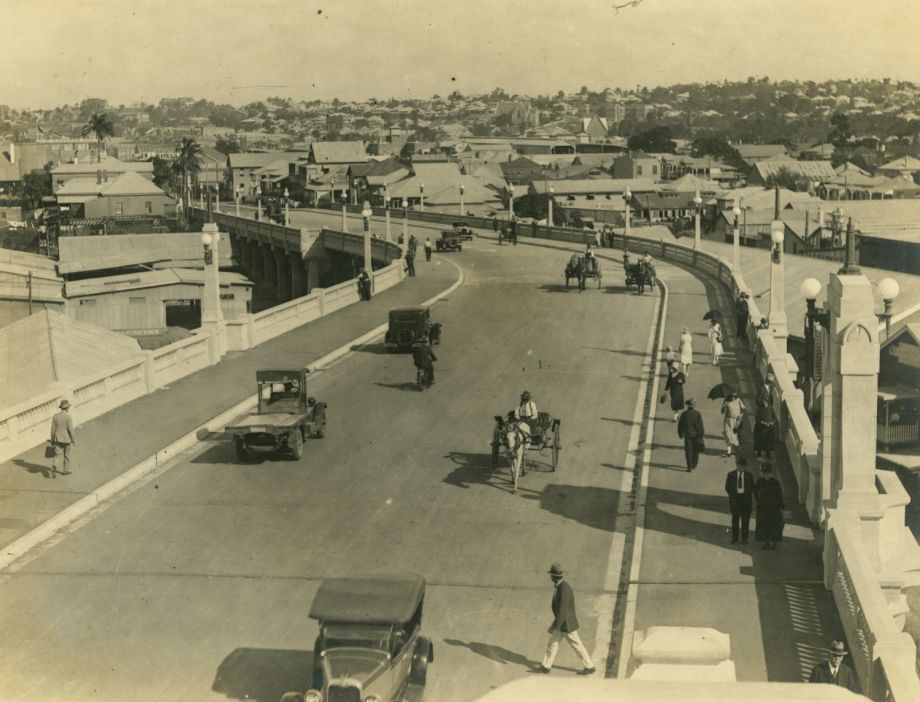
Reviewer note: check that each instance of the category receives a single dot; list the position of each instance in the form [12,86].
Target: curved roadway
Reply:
[196,585]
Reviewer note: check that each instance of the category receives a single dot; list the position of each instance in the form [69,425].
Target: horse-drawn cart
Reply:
[580,268]
[544,434]
[640,275]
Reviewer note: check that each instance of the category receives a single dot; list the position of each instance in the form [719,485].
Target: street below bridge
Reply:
[196,584]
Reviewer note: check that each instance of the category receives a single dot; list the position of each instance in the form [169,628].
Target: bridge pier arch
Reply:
[282,275]
[298,275]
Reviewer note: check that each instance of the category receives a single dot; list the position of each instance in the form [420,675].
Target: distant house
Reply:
[108,169]
[17,160]
[521,170]
[127,194]
[637,164]
[326,154]
[815,171]
[802,229]
[906,167]
[440,186]
[594,128]
[242,168]
[752,153]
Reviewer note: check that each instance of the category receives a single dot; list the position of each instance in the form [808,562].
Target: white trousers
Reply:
[552,648]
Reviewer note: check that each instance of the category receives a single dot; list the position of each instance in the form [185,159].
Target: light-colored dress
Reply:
[715,333]
[732,411]
[686,349]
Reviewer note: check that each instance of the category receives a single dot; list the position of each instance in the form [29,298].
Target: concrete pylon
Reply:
[212,316]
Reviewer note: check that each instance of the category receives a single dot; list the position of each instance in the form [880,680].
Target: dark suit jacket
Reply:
[731,486]
[821,673]
[690,425]
[564,608]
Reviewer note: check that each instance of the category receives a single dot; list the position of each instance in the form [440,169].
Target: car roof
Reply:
[409,308]
[368,599]
[276,375]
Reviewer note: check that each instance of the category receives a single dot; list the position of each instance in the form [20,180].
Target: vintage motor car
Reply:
[283,416]
[449,241]
[463,231]
[370,647]
[408,325]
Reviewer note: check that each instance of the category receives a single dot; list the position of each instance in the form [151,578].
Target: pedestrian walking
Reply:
[495,224]
[514,231]
[364,285]
[410,263]
[686,351]
[769,495]
[690,429]
[742,314]
[835,670]
[765,393]
[715,340]
[732,413]
[62,439]
[764,429]
[670,357]
[674,386]
[739,486]
[428,250]
[533,229]
[565,625]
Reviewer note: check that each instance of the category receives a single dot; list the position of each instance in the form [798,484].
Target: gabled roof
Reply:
[849,167]
[256,160]
[121,185]
[49,348]
[813,170]
[325,152]
[109,165]
[760,150]
[595,185]
[905,163]
[692,183]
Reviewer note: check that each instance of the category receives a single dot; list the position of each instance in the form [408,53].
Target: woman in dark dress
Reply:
[675,388]
[764,426]
[769,495]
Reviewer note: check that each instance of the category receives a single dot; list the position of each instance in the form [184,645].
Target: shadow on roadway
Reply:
[33,468]
[377,348]
[592,506]
[476,469]
[263,674]
[623,352]
[494,653]
[399,386]
[556,287]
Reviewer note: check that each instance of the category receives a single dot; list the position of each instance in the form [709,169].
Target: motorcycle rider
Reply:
[423,357]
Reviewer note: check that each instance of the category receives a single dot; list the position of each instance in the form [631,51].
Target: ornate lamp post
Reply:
[405,233]
[344,210]
[777,315]
[697,203]
[259,202]
[237,194]
[366,214]
[386,210]
[354,197]
[217,197]
[736,241]
[462,211]
[549,209]
[287,216]
[510,201]
[421,197]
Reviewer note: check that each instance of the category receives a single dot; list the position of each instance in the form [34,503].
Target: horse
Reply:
[575,268]
[514,436]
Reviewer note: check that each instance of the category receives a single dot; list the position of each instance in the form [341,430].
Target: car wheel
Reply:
[295,444]
[241,453]
[418,673]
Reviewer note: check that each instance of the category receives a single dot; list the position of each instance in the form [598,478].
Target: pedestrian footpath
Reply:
[772,603]
[111,444]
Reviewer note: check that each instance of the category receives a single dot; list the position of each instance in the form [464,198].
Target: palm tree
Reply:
[101,126]
[189,160]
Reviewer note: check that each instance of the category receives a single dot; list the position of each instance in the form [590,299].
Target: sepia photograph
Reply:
[427,351]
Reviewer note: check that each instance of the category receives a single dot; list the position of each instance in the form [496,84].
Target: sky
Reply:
[58,52]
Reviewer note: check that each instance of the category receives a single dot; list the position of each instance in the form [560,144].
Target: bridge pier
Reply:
[298,277]
[312,266]
[282,275]
[267,267]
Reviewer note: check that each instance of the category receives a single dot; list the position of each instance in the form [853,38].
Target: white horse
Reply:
[515,437]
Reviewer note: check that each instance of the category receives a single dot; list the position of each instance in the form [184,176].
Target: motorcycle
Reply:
[423,378]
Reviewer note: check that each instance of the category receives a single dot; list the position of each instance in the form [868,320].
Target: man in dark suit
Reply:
[690,429]
[835,671]
[565,625]
[739,485]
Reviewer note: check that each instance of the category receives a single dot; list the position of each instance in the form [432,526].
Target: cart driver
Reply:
[527,410]
[590,261]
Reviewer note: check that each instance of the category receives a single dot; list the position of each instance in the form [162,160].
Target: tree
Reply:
[36,185]
[189,162]
[163,173]
[785,178]
[654,140]
[100,125]
[841,132]
[227,145]
[718,148]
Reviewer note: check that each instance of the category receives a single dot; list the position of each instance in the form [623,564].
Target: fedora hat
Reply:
[690,402]
[556,570]
[64,404]
[837,648]
[525,395]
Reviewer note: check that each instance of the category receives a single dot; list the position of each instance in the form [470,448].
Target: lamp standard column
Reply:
[462,211]
[217,197]
[344,210]
[549,210]
[386,210]
[697,203]
[236,197]
[736,241]
[287,214]
[421,197]
[366,214]
[212,317]
[354,191]
[405,233]
[777,315]
[510,202]
[627,197]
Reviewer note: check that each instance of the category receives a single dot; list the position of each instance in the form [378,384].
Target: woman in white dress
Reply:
[686,351]
[715,340]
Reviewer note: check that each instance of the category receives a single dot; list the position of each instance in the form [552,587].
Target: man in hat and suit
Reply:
[565,625]
[690,429]
[62,438]
[834,670]
[739,485]
[742,313]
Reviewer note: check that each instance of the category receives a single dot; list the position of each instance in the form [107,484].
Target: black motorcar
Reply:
[408,325]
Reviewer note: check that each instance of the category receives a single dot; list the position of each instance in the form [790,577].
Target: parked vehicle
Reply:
[409,325]
[283,416]
[370,645]
[449,241]
[463,231]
